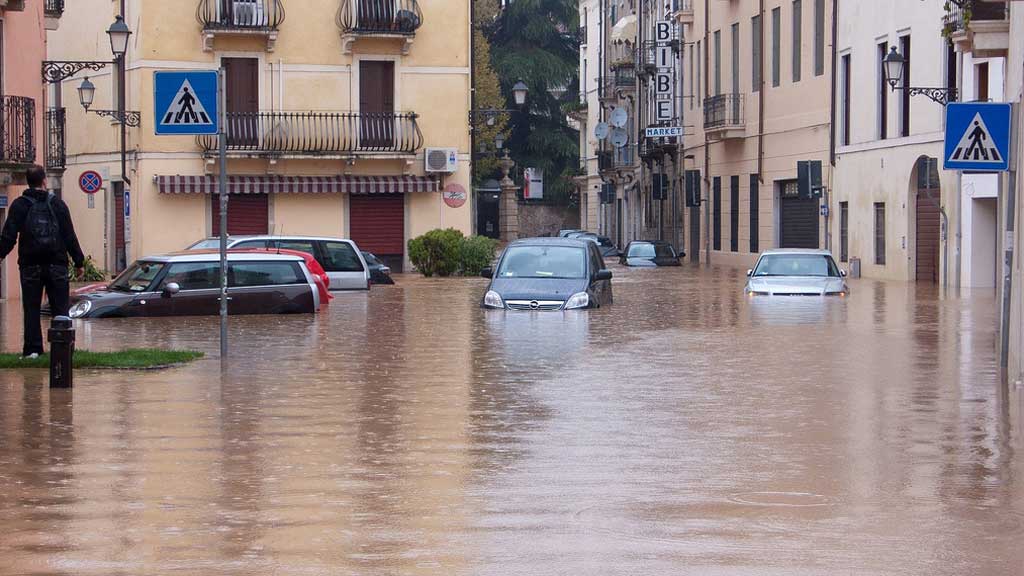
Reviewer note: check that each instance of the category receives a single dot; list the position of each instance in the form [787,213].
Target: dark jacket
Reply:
[15,225]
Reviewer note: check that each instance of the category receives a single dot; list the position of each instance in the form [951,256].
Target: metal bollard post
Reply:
[62,351]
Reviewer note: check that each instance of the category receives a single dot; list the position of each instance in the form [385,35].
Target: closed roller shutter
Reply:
[799,223]
[377,225]
[247,214]
[928,231]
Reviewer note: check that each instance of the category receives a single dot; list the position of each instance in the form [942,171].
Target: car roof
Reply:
[280,237]
[658,242]
[810,251]
[214,256]
[551,241]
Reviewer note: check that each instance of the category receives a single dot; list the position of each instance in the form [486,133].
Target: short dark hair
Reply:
[36,176]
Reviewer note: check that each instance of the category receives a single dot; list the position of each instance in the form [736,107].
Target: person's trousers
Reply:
[53,279]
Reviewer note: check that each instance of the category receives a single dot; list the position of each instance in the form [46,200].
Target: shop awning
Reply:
[207,184]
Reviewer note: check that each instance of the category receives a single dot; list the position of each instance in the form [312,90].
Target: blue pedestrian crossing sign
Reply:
[185,103]
[977,137]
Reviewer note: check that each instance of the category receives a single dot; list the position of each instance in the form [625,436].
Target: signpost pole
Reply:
[223,189]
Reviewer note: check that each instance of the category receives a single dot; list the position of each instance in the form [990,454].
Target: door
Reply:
[120,252]
[927,237]
[377,225]
[376,105]
[695,234]
[247,214]
[242,99]
[487,214]
[343,266]
[267,288]
[200,288]
[602,289]
[798,221]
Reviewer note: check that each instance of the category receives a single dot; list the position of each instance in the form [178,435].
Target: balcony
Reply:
[318,135]
[980,27]
[682,10]
[256,18]
[621,55]
[723,117]
[395,20]
[53,9]
[17,131]
[56,150]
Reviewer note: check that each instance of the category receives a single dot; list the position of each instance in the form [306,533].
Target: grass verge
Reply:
[139,358]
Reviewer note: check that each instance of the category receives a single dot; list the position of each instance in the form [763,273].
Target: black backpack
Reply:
[42,230]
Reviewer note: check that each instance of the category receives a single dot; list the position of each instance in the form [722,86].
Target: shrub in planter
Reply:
[477,253]
[92,272]
[436,252]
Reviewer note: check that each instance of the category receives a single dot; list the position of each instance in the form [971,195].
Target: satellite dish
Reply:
[619,137]
[601,130]
[619,117]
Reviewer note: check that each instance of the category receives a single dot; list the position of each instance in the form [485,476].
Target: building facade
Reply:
[331,108]
[23,138]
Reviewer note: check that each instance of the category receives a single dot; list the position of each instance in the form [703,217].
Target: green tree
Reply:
[488,96]
[535,41]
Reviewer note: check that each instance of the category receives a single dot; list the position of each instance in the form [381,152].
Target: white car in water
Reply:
[796,272]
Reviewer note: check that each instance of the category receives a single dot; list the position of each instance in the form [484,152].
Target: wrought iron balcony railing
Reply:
[240,15]
[54,8]
[960,14]
[56,146]
[379,17]
[722,111]
[319,133]
[17,130]
[625,78]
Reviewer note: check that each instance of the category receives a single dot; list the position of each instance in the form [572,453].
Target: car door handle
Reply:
[229,299]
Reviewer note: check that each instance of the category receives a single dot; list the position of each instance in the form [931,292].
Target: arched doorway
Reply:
[927,220]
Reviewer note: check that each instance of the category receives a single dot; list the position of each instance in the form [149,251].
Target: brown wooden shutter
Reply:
[247,214]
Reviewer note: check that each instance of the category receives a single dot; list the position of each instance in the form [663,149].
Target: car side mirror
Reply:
[602,275]
[487,272]
[171,288]
[842,273]
[750,272]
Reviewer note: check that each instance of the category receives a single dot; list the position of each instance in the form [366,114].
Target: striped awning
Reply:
[298,184]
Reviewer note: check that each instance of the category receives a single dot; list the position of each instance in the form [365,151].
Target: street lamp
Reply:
[519,92]
[893,65]
[86,93]
[499,141]
[119,33]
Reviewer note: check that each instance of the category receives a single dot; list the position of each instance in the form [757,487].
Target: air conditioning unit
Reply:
[442,160]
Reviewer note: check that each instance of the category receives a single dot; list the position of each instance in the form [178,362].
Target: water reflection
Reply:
[688,429]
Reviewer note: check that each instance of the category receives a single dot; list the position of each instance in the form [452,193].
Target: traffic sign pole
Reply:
[223,188]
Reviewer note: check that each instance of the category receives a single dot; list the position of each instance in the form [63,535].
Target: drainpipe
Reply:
[832,123]
[760,104]
[707,150]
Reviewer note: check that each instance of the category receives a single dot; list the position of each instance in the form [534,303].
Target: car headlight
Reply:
[836,293]
[757,293]
[577,300]
[81,308]
[493,300]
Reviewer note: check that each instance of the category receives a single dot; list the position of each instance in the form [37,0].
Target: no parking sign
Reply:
[90,182]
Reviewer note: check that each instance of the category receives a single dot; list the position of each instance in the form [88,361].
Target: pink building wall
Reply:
[24,49]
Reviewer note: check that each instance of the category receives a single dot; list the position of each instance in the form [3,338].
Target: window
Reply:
[905,94]
[693,92]
[698,94]
[797,37]
[883,93]
[981,82]
[298,245]
[951,76]
[844,231]
[247,245]
[340,257]
[756,59]
[717,209]
[845,121]
[819,37]
[755,190]
[245,274]
[194,275]
[776,45]
[734,213]
[880,233]
[736,58]
[718,62]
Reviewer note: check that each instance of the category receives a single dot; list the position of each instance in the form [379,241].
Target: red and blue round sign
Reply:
[90,182]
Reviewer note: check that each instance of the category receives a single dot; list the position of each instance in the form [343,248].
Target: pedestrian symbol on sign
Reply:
[976,144]
[186,109]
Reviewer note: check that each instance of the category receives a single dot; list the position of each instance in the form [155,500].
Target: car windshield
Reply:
[543,262]
[646,250]
[208,244]
[796,265]
[138,277]
[370,259]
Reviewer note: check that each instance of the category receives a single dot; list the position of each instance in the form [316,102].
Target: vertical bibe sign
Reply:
[664,93]
[185,103]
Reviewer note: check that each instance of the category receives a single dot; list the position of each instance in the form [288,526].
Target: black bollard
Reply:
[62,352]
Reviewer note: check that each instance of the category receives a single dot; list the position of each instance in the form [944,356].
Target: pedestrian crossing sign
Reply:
[186,103]
[977,137]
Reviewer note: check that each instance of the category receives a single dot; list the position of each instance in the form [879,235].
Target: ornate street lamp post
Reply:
[893,66]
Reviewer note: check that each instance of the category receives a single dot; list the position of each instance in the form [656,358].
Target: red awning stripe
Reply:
[179,184]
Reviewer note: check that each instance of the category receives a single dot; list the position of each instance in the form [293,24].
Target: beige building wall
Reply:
[307,70]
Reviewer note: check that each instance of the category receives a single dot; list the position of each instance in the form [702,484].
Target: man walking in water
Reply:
[40,223]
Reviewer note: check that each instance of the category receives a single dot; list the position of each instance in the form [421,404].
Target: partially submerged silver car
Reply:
[796,272]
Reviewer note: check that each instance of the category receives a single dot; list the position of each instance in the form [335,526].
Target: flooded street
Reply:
[687,429]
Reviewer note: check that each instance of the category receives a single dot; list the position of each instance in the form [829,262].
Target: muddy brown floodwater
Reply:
[685,430]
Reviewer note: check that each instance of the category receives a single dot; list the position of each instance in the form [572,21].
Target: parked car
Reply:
[607,247]
[339,257]
[379,272]
[796,272]
[564,233]
[188,284]
[650,254]
[549,274]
